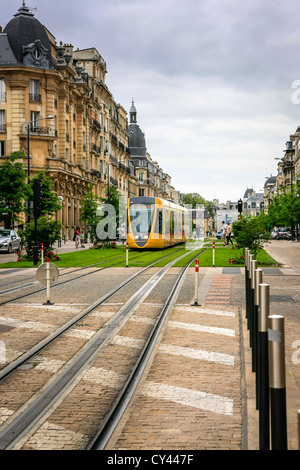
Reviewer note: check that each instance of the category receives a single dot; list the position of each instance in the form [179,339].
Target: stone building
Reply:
[56,107]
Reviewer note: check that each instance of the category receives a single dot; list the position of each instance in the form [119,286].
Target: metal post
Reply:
[250,258]
[42,250]
[258,280]
[277,382]
[263,367]
[253,266]
[247,253]
[299,429]
[196,282]
[126,254]
[48,278]
[213,254]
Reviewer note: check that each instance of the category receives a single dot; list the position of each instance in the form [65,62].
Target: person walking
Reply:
[77,237]
[228,234]
[224,228]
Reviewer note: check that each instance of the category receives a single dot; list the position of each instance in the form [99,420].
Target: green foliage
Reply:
[250,232]
[195,199]
[48,232]
[49,201]
[13,189]
[89,205]
[284,209]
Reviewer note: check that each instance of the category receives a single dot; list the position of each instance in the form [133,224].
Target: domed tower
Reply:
[137,142]
[28,40]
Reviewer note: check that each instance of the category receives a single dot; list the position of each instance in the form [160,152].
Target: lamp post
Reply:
[36,192]
[28,133]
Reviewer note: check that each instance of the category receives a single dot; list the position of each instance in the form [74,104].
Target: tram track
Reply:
[31,284]
[72,369]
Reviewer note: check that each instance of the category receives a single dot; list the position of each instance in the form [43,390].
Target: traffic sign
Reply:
[41,273]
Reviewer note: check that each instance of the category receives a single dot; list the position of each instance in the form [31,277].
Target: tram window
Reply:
[160,222]
[141,217]
[172,222]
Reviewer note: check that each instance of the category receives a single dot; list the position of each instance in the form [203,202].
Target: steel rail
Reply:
[26,420]
[69,280]
[113,418]
[39,347]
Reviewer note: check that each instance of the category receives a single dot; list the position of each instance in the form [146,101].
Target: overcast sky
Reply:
[212,80]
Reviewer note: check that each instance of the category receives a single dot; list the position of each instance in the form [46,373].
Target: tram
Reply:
[155,223]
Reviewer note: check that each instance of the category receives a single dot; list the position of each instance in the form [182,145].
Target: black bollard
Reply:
[250,297]
[277,382]
[258,280]
[253,268]
[247,252]
[263,367]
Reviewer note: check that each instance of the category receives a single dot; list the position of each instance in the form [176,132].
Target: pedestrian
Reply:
[77,237]
[224,228]
[82,240]
[228,234]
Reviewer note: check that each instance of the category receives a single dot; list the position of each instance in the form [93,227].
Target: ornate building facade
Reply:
[56,107]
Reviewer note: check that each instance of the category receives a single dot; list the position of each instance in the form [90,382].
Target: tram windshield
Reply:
[141,217]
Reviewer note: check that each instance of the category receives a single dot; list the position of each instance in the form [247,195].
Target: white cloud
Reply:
[212,80]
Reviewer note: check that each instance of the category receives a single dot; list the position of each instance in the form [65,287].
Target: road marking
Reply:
[188,397]
[204,329]
[220,358]
[222,313]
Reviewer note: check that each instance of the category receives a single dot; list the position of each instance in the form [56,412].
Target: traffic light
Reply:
[239,216]
[240,206]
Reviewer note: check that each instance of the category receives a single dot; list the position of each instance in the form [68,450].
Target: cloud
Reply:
[212,80]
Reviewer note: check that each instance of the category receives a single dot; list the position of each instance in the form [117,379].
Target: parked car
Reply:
[9,241]
[219,234]
[274,234]
[282,233]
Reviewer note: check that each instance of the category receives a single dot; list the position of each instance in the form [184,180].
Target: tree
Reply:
[49,202]
[46,230]
[195,199]
[250,232]
[90,203]
[13,189]
[284,209]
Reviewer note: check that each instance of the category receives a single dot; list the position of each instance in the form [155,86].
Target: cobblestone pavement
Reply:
[200,390]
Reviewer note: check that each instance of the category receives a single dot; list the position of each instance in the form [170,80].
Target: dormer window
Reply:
[37,54]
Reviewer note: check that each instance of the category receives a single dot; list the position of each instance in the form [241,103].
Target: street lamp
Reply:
[28,129]
[35,248]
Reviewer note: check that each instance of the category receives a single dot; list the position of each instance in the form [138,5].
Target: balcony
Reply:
[34,97]
[97,124]
[38,130]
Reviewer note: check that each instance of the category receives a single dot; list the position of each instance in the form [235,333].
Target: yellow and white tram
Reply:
[155,223]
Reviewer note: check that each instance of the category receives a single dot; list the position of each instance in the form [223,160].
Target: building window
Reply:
[35,118]
[142,192]
[35,91]
[2,148]
[2,121]
[67,154]
[2,90]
